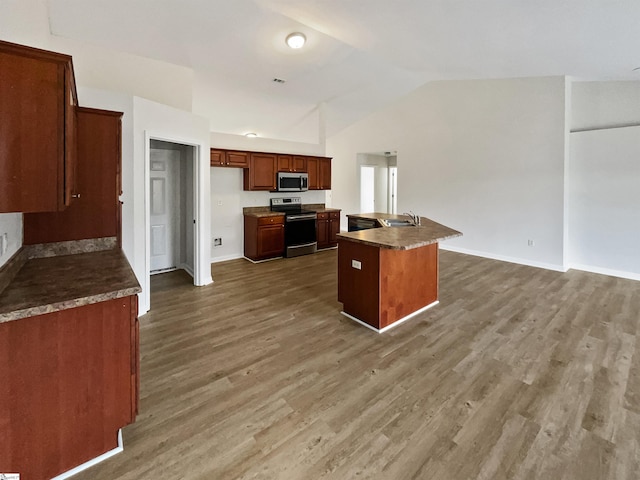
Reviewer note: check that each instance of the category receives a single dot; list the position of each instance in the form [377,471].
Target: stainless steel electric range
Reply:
[299,226]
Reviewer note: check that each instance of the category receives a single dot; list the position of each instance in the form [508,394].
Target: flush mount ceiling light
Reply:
[251,135]
[296,40]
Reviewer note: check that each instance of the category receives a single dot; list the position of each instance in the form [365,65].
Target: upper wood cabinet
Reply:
[324,173]
[37,129]
[261,168]
[319,169]
[261,174]
[96,211]
[312,170]
[292,163]
[229,158]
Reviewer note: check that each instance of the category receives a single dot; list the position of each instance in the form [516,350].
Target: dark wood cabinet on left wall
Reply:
[96,213]
[37,130]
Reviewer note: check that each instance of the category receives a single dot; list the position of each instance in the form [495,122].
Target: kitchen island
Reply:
[388,274]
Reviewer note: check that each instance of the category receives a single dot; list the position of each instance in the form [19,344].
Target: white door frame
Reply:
[197,210]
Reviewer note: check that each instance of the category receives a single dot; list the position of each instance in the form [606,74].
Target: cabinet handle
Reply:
[75,195]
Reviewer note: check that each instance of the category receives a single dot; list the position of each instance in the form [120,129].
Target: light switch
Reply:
[356,264]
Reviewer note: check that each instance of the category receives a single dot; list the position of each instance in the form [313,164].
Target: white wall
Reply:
[604,105]
[604,174]
[604,200]
[485,157]
[11,224]
[228,197]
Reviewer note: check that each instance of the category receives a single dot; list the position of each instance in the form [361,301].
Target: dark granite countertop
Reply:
[266,211]
[44,285]
[399,238]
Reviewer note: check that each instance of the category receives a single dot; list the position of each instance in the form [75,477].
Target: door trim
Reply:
[199,277]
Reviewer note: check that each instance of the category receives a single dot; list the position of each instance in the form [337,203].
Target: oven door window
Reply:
[300,232]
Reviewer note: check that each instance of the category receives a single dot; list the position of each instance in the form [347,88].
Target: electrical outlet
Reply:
[357,264]
[531,243]
[217,242]
[219,203]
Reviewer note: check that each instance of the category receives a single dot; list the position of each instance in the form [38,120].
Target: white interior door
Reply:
[163,216]
[367,189]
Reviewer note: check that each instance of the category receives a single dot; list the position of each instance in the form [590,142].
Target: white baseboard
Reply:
[94,461]
[503,258]
[605,271]
[394,324]
[225,258]
[262,261]
[187,268]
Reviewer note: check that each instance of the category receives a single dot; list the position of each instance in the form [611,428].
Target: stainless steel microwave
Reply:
[293,182]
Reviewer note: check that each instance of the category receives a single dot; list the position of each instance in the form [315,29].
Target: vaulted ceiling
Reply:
[360,54]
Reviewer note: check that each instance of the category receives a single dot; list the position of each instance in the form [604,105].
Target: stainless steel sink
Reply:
[394,222]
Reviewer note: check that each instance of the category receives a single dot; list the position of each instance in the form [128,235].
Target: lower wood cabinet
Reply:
[70,381]
[327,229]
[263,237]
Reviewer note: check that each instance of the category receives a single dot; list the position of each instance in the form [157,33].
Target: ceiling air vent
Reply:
[278,80]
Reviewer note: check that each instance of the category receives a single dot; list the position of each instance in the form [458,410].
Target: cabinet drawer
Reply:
[322,216]
[271,220]
[334,214]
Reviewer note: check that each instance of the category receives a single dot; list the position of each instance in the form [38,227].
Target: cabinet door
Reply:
[322,230]
[261,174]
[237,159]
[334,229]
[31,134]
[324,173]
[96,212]
[70,140]
[299,163]
[217,158]
[312,169]
[285,163]
[270,241]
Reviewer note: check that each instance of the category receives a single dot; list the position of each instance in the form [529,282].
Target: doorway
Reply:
[378,182]
[171,191]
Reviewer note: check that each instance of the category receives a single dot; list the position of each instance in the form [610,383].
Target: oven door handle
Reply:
[303,216]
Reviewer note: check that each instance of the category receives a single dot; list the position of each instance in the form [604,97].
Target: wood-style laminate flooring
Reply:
[518,373]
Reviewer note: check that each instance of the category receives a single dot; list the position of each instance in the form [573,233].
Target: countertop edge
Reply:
[67,304]
[388,246]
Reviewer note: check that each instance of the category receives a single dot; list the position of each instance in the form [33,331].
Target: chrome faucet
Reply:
[415,218]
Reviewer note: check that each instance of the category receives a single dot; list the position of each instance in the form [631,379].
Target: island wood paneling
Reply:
[359,290]
[390,285]
[408,282]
